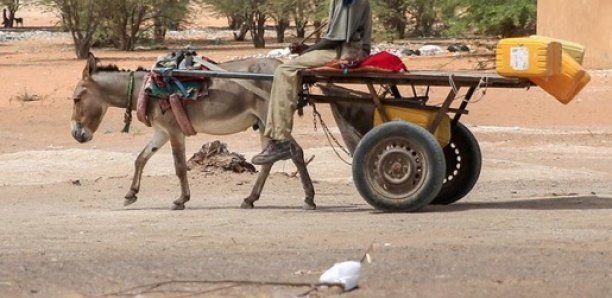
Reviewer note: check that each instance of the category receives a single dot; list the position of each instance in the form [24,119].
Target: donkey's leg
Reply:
[297,156]
[158,140]
[264,172]
[180,166]
[257,188]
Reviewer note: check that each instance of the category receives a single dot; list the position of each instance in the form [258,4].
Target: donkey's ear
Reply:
[90,67]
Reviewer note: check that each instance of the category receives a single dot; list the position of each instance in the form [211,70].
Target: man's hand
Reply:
[297,48]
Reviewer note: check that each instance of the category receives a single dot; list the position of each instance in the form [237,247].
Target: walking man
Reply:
[348,36]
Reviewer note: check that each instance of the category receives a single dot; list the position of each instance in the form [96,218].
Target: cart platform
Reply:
[417,77]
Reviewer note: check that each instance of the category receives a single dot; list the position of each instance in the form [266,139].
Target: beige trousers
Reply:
[285,88]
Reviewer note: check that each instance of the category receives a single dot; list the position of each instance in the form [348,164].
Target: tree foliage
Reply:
[280,11]
[130,19]
[392,16]
[120,23]
[252,15]
[123,23]
[10,6]
[493,17]
[82,18]
[455,17]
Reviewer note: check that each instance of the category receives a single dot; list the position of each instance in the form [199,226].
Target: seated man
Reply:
[348,36]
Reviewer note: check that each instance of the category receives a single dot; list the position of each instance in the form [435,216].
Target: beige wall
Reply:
[588,22]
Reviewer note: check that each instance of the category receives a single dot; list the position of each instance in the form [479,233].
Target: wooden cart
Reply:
[398,165]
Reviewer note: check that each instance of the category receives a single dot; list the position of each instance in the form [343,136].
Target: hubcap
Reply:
[396,168]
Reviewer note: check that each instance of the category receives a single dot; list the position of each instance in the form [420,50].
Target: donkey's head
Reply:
[89,105]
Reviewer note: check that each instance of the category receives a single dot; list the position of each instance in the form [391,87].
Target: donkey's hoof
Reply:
[247,205]
[129,200]
[309,206]
[176,206]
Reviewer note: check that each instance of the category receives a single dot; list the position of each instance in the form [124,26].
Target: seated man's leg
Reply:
[283,102]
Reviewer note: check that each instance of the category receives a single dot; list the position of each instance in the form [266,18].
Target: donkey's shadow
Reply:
[290,208]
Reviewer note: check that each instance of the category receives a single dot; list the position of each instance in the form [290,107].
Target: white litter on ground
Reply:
[345,273]
[430,50]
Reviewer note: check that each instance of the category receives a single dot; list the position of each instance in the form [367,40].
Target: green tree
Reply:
[125,20]
[253,13]
[280,12]
[82,18]
[306,11]
[11,6]
[256,15]
[230,9]
[392,15]
[492,17]
[425,14]
[168,14]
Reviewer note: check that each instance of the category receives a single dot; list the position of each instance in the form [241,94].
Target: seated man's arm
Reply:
[324,44]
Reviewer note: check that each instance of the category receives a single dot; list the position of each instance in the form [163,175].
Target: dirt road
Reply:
[537,224]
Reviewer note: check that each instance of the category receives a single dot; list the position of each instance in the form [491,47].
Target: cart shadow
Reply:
[540,203]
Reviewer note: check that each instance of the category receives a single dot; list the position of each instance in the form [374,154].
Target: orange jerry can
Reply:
[528,57]
[565,86]
[576,50]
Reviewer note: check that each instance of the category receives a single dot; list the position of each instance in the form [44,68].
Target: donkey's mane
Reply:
[115,68]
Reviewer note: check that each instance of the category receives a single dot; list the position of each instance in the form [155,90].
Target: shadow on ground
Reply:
[540,203]
[545,203]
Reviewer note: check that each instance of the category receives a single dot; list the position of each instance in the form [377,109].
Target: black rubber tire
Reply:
[410,152]
[463,165]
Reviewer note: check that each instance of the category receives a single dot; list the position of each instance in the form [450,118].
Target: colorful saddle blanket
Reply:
[173,93]
[188,88]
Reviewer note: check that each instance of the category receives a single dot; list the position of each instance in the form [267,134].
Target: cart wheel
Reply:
[398,166]
[463,164]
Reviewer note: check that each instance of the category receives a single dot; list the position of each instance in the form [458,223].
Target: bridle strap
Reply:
[127,117]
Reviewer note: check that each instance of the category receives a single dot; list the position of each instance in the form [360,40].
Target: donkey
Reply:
[228,108]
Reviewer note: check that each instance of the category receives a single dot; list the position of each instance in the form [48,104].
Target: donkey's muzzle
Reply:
[80,133]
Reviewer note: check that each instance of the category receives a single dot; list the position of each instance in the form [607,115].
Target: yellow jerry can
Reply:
[565,86]
[419,117]
[528,57]
[576,50]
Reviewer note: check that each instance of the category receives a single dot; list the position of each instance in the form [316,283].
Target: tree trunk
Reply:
[401,29]
[235,22]
[11,18]
[230,22]
[82,49]
[281,27]
[241,35]
[300,29]
[82,38]
[300,20]
[159,29]
[317,24]
[130,28]
[5,19]
[259,30]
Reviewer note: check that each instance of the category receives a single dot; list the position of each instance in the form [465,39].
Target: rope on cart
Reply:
[328,134]
[484,82]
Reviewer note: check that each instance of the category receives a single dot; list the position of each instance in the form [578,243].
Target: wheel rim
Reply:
[453,162]
[396,168]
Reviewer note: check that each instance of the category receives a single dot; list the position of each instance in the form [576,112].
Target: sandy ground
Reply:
[538,223]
